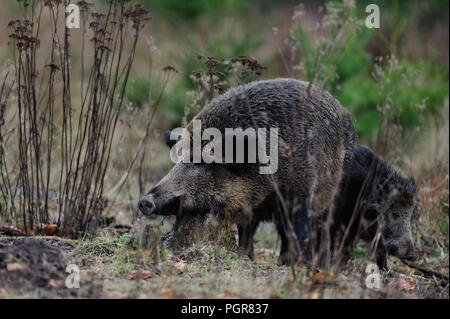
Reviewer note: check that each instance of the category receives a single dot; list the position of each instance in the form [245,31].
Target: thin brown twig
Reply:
[426,271]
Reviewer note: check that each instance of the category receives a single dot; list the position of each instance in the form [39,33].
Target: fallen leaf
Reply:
[275,297]
[231,290]
[139,274]
[409,270]
[166,292]
[179,265]
[408,285]
[228,293]
[133,275]
[49,230]
[319,277]
[314,294]
[14,266]
[55,283]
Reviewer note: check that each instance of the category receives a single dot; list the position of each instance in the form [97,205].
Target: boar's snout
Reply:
[147,206]
[403,250]
[159,201]
[411,253]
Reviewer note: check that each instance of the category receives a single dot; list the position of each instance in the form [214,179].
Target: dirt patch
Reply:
[35,268]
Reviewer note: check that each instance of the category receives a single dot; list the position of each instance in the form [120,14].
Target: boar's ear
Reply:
[171,141]
[410,189]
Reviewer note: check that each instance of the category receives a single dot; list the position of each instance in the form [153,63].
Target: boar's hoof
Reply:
[246,253]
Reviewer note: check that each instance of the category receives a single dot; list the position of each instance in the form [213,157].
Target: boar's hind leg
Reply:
[285,258]
[246,232]
[302,228]
[288,253]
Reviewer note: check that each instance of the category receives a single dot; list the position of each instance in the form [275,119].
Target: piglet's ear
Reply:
[171,140]
[364,156]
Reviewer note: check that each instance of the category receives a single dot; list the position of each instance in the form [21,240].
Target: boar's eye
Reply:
[395,215]
[373,206]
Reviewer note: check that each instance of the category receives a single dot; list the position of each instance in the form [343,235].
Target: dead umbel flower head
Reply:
[64,141]
[22,34]
[215,76]
[169,69]
[251,66]
[138,15]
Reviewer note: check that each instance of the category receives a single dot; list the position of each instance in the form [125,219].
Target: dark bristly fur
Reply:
[371,193]
[378,199]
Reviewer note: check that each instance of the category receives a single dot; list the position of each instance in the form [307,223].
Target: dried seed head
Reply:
[169,69]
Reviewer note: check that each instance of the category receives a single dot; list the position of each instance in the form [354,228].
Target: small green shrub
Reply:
[355,88]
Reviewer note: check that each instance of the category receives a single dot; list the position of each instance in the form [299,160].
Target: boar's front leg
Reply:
[381,257]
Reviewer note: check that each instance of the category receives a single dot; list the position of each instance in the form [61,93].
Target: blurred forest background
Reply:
[393,80]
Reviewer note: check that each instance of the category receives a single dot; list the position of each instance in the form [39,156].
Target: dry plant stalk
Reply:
[6,199]
[53,127]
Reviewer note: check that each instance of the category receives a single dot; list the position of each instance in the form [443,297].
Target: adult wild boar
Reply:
[315,139]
